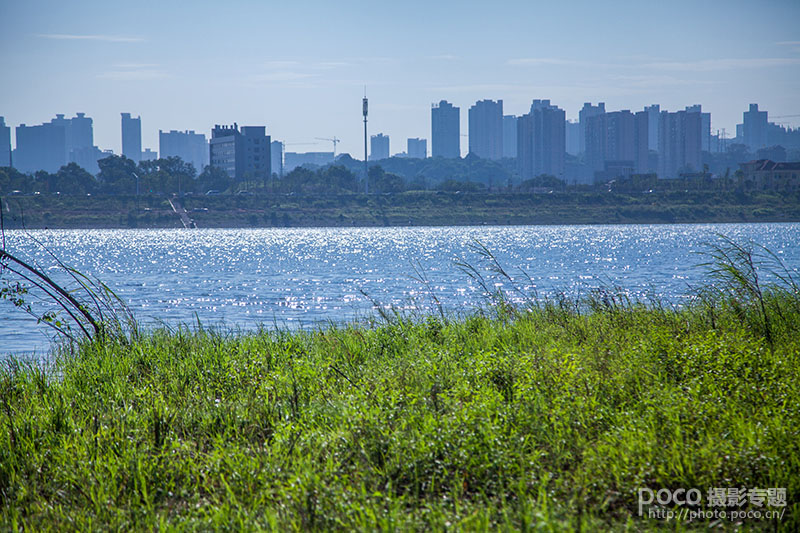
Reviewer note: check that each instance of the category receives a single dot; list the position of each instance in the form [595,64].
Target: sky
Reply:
[300,68]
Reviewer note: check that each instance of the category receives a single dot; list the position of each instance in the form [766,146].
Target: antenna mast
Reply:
[366,164]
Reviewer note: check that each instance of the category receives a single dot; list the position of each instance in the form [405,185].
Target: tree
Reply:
[151,178]
[117,174]
[73,179]
[332,179]
[166,175]
[12,179]
[299,180]
[339,178]
[773,153]
[44,181]
[213,179]
[180,175]
[381,181]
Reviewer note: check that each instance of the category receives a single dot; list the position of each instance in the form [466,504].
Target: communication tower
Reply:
[366,164]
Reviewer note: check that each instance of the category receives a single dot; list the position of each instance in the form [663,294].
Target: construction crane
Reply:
[335,141]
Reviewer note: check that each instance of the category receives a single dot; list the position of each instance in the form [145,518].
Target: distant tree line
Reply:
[118,175]
[121,176]
[727,163]
[168,176]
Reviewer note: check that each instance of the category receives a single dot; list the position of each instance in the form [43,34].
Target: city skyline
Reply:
[301,70]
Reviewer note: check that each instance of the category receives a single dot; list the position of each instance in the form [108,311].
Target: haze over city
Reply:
[300,69]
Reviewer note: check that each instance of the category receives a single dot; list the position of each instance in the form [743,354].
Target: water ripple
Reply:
[246,277]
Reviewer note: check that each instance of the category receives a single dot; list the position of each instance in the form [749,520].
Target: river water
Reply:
[245,278]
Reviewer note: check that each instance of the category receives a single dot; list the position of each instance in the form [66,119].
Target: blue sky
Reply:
[300,67]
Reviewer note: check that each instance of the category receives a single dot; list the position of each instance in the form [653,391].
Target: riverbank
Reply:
[550,417]
[424,208]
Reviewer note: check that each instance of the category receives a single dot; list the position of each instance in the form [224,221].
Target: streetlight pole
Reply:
[137,190]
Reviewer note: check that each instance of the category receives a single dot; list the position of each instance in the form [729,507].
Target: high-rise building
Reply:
[679,143]
[617,139]
[5,144]
[149,155]
[541,141]
[378,147]
[653,121]
[80,143]
[132,137]
[754,128]
[572,131]
[588,110]
[445,130]
[417,148]
[486,129]
[188,145]
[244,153]
[705,124]
[41,147]
[509,136]
[53,144]
[80,133]
[276,157]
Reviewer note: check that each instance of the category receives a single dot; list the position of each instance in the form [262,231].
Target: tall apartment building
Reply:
[5,144]
[618,139]
[653,121]
[149,155]
[754,128]
[588,110]
[188,145]
[705,125]
[244,153]
[53,144]
[132,137]
[276,157]
[541,141]
[41,147]
[417,148]
[79,132]
[445,130]
[486,129]
[679,143]
[80,143]
[573,134]
[509,136]
[378,147]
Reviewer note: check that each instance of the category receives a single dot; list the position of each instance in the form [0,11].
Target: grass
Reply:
[548,416]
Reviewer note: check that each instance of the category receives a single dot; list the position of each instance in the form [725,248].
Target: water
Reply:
[244,278]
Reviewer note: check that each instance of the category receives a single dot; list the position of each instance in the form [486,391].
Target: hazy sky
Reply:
[300,67]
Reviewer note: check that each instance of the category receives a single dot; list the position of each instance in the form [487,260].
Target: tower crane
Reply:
[335,141]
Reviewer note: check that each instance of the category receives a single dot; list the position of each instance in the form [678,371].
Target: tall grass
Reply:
[546,415]
[76,306]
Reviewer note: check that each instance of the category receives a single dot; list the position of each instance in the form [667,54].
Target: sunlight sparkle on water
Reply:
[245,277]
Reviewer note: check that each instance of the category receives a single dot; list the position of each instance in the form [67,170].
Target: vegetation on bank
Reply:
[417,208]
[171,175]
[544,414]
[407,192]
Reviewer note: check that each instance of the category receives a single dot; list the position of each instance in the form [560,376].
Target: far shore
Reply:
[422,208]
